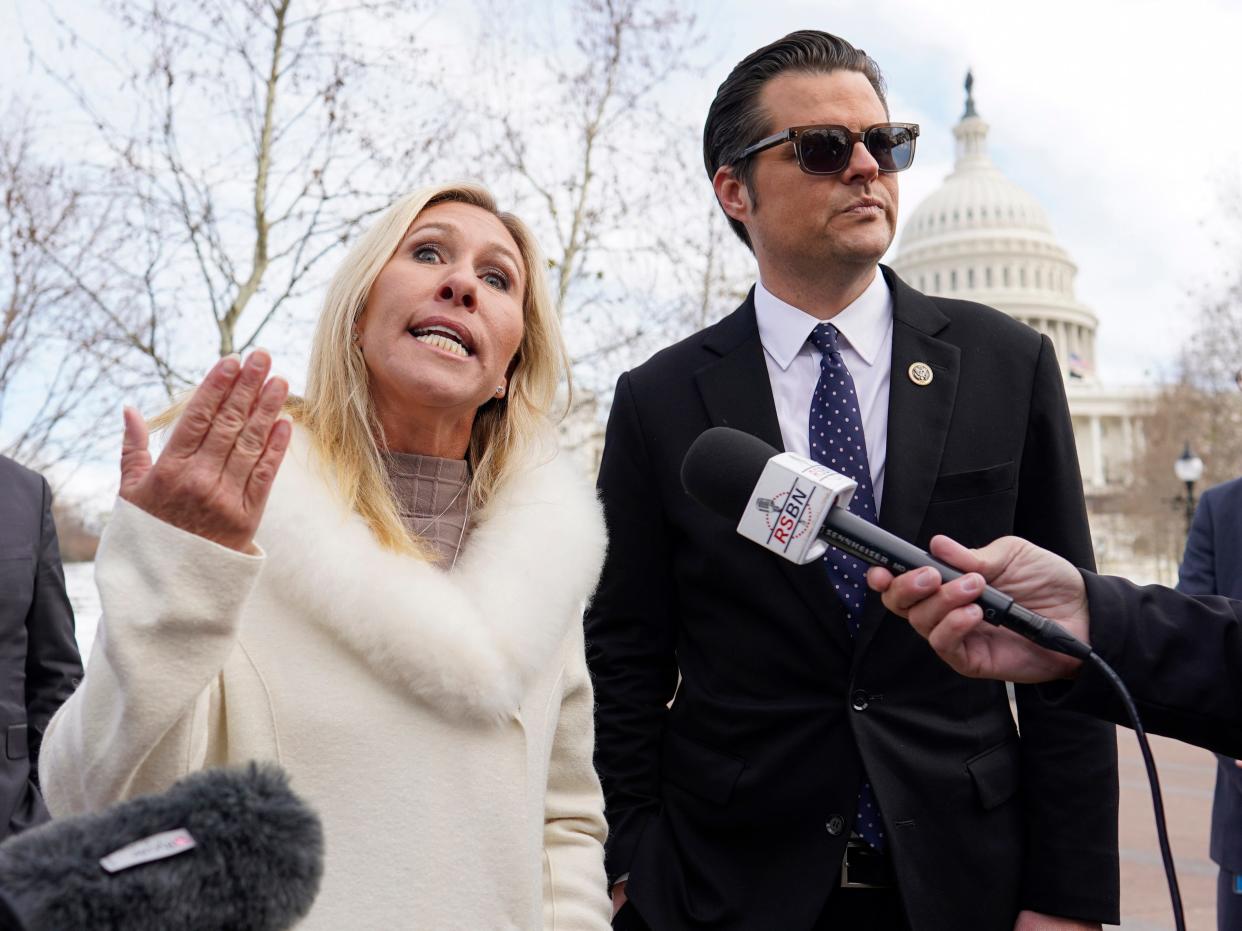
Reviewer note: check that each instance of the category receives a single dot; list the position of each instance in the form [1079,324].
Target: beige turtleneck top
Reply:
[431,494]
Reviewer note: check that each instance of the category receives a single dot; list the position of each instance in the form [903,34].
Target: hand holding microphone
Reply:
[946,613]
[797,508]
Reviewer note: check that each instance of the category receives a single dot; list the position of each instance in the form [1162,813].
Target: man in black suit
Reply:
[40,666]
[773,754]
[1212,565]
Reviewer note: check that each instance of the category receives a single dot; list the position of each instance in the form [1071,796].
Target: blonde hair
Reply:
[339,412]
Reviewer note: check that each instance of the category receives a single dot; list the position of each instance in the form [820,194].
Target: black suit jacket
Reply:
[39,664]
[1180,657]
[731,807]
[1212,565]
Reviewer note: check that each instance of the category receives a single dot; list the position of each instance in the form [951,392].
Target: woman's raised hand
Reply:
[215,473]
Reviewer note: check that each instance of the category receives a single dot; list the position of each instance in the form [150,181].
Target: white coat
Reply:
[439,722]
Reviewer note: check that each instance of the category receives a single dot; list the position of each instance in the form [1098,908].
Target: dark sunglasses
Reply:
[825,149]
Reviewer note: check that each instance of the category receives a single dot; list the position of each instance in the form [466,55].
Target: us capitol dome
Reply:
[980,237]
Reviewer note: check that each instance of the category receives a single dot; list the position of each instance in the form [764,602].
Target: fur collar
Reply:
[470,641]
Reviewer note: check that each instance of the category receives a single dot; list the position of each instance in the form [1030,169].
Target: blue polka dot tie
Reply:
[837,441]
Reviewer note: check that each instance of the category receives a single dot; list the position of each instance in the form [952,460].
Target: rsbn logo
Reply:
[788,514]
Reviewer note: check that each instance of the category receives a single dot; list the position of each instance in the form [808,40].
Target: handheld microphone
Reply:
[797,508]
[222,849]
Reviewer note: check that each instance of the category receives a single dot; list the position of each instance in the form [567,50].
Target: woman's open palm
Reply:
[215,473]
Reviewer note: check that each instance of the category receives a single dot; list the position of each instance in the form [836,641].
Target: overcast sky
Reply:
[1120,116]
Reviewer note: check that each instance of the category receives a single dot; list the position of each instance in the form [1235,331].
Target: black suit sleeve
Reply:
[53,666]
[1197,573]
[631,634]
[1197,576]
[1180,657]
[1069,761]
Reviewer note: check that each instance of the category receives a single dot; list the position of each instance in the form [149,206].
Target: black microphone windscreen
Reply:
[255,865]
[722,467]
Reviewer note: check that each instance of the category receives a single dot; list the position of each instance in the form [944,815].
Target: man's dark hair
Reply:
[735,118]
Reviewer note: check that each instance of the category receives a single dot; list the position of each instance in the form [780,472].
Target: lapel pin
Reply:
[920,373]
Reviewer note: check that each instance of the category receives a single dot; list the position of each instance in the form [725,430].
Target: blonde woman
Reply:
[382,595]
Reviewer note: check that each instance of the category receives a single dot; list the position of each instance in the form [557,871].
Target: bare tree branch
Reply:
[255,136]
[581,130]
[44,339]
[1200,404]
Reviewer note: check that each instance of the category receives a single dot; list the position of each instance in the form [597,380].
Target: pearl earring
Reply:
[500,391]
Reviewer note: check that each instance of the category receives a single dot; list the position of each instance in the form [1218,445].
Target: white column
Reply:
[1097,452]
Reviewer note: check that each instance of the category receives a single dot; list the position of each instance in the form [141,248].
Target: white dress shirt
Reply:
[866,328]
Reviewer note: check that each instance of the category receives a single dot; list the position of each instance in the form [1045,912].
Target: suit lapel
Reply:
[918,418]
[735,388]
[737,393]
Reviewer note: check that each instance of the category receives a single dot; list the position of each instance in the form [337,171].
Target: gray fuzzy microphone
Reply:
[222,849]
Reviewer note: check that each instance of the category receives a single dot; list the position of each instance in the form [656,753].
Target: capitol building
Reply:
[980,237]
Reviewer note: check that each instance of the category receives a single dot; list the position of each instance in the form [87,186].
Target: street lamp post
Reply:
[1189,469]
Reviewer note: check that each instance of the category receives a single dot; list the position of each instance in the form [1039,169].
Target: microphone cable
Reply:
[1051,636]
[727,471]
[1153,780]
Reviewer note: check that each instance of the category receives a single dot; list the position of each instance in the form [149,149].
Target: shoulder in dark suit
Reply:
[40,666]
[730,807]
[1212,565]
